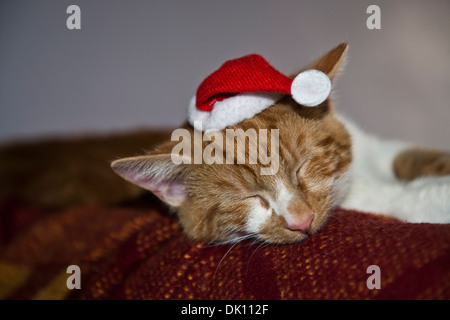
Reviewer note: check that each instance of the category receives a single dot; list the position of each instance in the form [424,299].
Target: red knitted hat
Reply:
[243,87]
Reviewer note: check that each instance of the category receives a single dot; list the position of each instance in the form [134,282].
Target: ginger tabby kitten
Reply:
[325,161]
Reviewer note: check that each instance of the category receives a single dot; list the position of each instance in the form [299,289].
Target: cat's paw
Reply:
[414,163]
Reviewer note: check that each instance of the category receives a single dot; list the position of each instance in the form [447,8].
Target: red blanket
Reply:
[139,252]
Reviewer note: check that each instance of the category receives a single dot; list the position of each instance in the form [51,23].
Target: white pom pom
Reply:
[311,87]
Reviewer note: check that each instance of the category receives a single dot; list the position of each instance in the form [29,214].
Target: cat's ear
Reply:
[331,62]
[158,173]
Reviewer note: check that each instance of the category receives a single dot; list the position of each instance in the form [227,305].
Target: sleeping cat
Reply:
[325,161]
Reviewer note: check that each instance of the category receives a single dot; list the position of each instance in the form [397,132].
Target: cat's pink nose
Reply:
[303,224]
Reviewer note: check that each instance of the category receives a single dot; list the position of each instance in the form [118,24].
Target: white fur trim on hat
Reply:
[230,111]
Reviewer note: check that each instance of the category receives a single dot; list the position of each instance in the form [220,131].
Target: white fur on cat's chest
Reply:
[374,188]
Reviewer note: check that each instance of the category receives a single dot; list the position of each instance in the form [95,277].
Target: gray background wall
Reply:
[137,63]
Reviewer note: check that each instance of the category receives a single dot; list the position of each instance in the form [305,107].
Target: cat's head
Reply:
[310,155]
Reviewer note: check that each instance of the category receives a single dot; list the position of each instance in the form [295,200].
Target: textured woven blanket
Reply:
[139,252]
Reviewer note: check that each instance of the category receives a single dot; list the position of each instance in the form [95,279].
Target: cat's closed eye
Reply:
[262,200]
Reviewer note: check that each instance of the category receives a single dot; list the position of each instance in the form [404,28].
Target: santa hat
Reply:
[244,87]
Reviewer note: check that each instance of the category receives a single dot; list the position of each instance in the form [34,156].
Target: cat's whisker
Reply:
[229,241]
[235,241]
[260,246]
[214,244]
[218,265]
